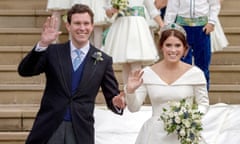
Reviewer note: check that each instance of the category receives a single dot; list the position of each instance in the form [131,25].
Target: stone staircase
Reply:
[225,66]
[20,27]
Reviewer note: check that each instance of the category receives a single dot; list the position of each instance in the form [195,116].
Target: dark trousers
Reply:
[200,49]
[63,135]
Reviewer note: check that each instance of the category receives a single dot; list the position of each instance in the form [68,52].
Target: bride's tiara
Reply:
[173,26]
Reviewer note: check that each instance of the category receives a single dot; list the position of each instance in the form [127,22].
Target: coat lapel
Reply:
[65,63]
[89,68]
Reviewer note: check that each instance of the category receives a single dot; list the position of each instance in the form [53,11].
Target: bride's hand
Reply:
[134,80]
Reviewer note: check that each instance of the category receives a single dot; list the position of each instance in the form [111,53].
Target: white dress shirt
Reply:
[83,49]
[192,9]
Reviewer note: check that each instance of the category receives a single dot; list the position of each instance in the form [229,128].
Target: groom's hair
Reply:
[80,8]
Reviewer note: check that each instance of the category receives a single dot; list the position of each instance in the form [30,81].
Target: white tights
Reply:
[97,36]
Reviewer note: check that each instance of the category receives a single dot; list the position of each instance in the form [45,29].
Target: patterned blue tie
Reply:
[77,61]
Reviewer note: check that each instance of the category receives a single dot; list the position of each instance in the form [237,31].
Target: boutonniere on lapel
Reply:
[97,56]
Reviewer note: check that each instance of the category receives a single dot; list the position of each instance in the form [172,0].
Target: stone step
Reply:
[230,5]
[232,34]
[17,117]
[230,18]
[228,56]
[32,94]
[229,94]
[16,121]
[9,75]
[23,4]
[225,74]
[13,137]
[20,94]
[23,36]
[28,18]
[12,55]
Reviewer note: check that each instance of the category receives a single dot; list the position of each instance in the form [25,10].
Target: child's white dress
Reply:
[129,38]
[98,7]
[218,38]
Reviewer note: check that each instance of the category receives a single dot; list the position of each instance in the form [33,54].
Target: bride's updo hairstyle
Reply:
[175,30]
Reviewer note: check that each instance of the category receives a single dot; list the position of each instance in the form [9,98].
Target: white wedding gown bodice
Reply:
[191,84]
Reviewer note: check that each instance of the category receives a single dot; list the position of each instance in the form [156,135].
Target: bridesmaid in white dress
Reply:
[167,80]
[129,40]
[218,38]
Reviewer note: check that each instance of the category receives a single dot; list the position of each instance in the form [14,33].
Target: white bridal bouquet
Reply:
[184,119]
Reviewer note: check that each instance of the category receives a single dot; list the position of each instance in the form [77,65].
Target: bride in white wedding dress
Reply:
[168,80]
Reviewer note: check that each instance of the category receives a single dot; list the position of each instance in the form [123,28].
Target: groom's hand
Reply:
[49,32]
[119,101]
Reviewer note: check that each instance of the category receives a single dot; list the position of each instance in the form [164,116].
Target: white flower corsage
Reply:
[97,56]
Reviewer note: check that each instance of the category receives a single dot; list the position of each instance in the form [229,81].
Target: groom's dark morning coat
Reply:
[56,63]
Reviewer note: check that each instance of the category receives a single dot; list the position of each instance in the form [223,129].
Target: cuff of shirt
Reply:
[212,22]
[39,49]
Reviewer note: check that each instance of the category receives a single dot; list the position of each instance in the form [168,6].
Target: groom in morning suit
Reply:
[67,106]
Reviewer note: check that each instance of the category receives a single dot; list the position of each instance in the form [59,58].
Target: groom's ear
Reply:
[67,25]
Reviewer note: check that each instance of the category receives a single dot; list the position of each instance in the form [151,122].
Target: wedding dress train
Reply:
[221,125]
